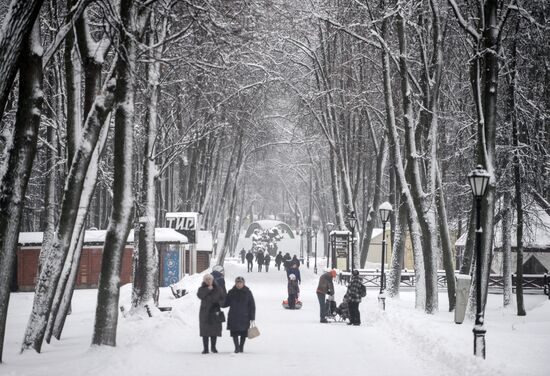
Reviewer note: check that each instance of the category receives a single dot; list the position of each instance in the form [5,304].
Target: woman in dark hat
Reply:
[212,297]
[242,312]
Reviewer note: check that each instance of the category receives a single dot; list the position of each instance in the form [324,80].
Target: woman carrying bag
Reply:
[210,314]
[242,312]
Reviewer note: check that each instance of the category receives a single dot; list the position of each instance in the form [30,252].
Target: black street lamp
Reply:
[352,223]
[479,179]
[308,234]
[315,231]
[301,246]
[329,226]
[385,210]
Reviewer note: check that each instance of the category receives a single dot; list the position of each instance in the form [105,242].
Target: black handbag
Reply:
[217,316]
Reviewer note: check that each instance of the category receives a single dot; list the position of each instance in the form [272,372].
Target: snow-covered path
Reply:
[399,341]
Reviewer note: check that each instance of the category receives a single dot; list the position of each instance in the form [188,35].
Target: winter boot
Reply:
[241,344]
[213,344]
[236,343]
[205,345]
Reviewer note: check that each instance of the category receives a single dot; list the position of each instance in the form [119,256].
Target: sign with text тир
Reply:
[185,223]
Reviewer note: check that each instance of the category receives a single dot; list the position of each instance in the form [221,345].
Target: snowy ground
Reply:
[399,341]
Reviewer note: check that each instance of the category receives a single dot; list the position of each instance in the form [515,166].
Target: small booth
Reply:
[340,245]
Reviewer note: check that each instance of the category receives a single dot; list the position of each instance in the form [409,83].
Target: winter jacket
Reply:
[211,300]
[260,258]
[293,288]
[294,271]
[354,289]
[325,284]
[242,308]
[249,256]
[267,259]
[278,259]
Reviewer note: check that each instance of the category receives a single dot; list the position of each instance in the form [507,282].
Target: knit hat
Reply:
[207,277]
[292,277]
[239,279]
[333,273]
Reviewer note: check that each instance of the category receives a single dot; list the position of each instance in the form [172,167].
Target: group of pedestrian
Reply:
[241,315]
[356,290]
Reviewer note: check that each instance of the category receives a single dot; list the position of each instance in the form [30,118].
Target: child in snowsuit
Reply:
[293,291]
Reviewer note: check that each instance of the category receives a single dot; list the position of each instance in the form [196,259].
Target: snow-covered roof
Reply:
[162,235]
[536,232]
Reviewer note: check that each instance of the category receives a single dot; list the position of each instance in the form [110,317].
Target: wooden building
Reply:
[30,244]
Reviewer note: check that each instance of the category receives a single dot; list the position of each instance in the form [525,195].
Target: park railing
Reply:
[371,278]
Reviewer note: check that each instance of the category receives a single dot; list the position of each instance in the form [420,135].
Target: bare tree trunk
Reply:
[146,277]
[61,304]
[395,149]
[399,242]
[51,272]
[93,55]
[106,317]
[231,212]
[443,227]
[372,216]
[423,203]
[16,27]
[507,250]
[18,159]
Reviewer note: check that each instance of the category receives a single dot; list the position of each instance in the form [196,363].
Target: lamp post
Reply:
[301,246]
[385,210]
[479,179]
[315,230]
[329,226]
[352,223]
[308,234]
[330,255]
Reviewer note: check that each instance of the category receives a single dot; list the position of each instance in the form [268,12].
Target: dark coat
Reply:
[267,259]
[242,308]
[260,258]
[293,287]
[211,300]
[294,271]
[354,289]
[249,256]
[278,259]
[295,261]
[325,284]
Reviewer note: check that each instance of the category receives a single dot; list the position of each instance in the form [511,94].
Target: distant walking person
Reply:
[279,260]
[286,260]
[356,291]
[243,254]
[267,260]
[260,260]
[325,287]
[295,261]
[250,261]
[212,297]
[242,312]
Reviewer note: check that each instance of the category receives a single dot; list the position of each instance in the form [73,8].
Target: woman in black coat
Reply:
[242,311]
[212,297]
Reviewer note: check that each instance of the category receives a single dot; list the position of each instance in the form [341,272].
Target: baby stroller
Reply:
[337,313]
